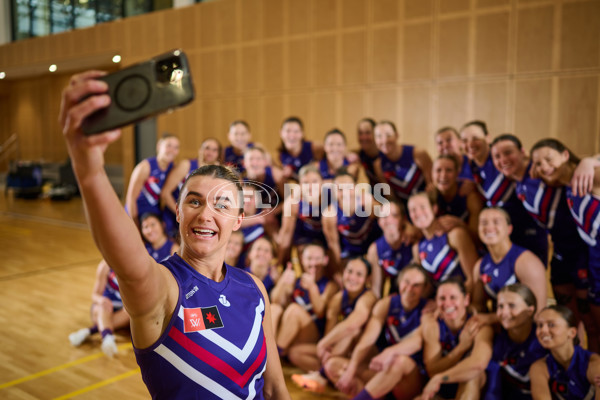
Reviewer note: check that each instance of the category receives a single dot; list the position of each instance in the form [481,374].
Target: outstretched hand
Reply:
[82,97]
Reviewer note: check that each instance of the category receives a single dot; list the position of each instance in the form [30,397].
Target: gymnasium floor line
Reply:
[45,220]
[99,384]
[86,359]
[56,268]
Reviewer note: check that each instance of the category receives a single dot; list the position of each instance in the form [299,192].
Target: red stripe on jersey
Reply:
[590,214]
[216,362]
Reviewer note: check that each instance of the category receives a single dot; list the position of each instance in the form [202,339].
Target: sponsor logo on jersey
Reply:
[201,318]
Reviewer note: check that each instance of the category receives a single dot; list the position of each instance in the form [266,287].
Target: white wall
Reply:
[5,25]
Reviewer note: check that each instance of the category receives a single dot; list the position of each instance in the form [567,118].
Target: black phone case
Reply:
[142,91]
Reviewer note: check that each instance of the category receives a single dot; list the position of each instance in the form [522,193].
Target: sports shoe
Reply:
[313,381]
[78,337]
[109,347]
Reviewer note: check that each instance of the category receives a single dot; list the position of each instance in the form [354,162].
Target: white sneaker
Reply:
[109,347]
[78,337]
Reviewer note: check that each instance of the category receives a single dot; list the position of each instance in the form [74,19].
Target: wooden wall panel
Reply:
[452,105]
[454,47]
[298,66]
[490,100]
[384,58]
[385,105]
[532,110]
[323,116]
[354,13]
[491,51]
[528,66]
[417,51]
[251,19]
[272,70]
[450,6]
[418,8]
[324,15]
[385,10]
[298,17]
[580,35]
[354,58]
[535,39]
[272,20]
[324,61]
[250,68]
[416,122]
[578,113]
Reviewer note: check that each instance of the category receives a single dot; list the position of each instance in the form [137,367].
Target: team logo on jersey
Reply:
[223,300]
[201,318]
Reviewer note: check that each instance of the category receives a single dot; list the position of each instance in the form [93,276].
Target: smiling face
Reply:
[512,310]
[234,246]
[493,227]
[167,149]
[152,229]
[261,253]
[451,302]
[209,151]
[508,158]
[447,143]
[291,135]
[208,212]
[354,277]
[239,136]
[411,288]
[549,163]
[255,162]
[421,211]
[366,138]
[552,330]
[474,143]
[335,147]
[444,174]
[346,194]
[310,183]
[390,221]
[386,138]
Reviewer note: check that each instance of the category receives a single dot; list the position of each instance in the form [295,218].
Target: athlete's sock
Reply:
[363,395]
[106,332]
[93,329]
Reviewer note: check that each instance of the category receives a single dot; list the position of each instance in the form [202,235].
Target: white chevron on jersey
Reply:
[196,375]
[241,354]
[407,178]
[589,238]
[535,207]
[489,193]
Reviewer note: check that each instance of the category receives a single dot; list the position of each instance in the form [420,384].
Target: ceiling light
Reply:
[52,68]
[2,75]
[116,59]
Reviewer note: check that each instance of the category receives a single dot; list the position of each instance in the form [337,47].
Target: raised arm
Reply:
[531,272]
[538,373]
[376,272]
[149,291]
[173,180]
[460,240]
[329,221]
[423,161]
[139,175]
[479,297]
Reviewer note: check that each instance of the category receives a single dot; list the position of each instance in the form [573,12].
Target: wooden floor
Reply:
[46,277]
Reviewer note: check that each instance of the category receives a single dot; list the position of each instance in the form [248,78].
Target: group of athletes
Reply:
[432,281]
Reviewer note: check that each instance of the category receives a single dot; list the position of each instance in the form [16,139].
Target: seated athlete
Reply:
[448,143]
[260,262]
[456,348]
[294,151]
[301,216]
[240,139]
[393,319]
[304,301]
[442,254]
[390,253]
[233,251]
[568,372]
[347,313]
[107,310]
[334,146]
[504,264]
[516,346]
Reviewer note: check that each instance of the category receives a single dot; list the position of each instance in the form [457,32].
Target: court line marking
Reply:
[98,384]
[60,367]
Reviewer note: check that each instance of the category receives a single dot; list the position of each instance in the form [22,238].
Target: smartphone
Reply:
[142,91]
